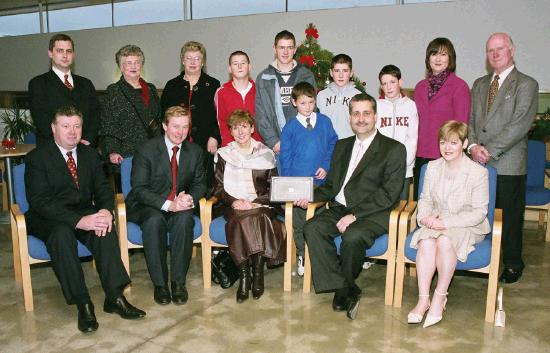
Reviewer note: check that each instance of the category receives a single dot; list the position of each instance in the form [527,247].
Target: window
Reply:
[221,8]
[147,11]
[299,5]
[83,17]
[15,25]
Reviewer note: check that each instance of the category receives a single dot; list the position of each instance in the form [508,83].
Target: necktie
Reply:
[493,90]
[308,122]
[358,156]
[67,83]
[174,169]
[72,167]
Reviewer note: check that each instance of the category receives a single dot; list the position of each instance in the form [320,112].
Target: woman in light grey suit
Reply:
[452,214]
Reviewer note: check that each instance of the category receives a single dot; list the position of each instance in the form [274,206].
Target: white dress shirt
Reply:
[303,121]
[61,75]
[359,149]
[64,153]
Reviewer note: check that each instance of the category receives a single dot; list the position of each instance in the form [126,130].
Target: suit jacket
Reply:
[203,111]
[374,187]
[152,176]
[503,130]
[47,93]
[125,120]
[52,193]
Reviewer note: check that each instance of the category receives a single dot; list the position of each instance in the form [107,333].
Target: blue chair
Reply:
[214,237]
[384,248]
[30,138]
[536,195]
[130,235]
[27,249]
[484,259]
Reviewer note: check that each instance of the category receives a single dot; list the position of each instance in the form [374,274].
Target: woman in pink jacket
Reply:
[440,97]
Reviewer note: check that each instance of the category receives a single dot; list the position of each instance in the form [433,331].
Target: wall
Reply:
[373,36]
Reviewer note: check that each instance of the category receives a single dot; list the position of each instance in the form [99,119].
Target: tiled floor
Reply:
[279,322]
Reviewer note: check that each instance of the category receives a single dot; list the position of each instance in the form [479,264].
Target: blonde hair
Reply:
[240,116]
[453,128]
[194,46]
[175,111]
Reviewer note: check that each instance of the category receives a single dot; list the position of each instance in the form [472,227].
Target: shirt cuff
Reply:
[470,147]
[166,205]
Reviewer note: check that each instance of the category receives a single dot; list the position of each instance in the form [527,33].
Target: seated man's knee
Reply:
[61,235]
[354,238]
[154,218]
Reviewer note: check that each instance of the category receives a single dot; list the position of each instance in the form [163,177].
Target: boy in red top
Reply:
[237,93]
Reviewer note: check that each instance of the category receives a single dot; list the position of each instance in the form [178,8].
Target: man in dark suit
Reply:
[168,179]
[69,200]
[59,87]
[362,187]
[504,104]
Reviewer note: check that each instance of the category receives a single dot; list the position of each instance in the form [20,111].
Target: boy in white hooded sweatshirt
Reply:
[398,118]
[333,101]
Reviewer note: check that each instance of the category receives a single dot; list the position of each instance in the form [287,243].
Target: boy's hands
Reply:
[320,174]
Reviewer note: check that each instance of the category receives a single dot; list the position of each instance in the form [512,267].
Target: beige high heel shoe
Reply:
[432,319]
[414,318]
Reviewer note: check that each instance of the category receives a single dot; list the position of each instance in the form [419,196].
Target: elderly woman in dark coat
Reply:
[195,90]
[130,110]
[243,177]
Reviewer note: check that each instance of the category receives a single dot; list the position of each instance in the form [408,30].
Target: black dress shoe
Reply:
[510,275]
[121,307]
[162,295]
[339,302]
[353,305]
[179,293]
[86,318]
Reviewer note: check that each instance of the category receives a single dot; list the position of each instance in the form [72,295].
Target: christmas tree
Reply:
[317,60]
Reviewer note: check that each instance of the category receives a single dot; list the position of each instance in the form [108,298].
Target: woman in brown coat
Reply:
[242,179]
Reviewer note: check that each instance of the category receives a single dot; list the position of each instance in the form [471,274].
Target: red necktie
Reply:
[72,167]
[67,83]
[174,169]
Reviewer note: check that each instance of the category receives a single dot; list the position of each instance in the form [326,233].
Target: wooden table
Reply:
[19,151]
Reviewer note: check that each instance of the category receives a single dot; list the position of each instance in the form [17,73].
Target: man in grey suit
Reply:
[362,187]
[168,179]
[504,104]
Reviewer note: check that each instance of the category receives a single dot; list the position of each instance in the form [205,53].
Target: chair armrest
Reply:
[207,209]
[312,207]
[497,233]
[406,222]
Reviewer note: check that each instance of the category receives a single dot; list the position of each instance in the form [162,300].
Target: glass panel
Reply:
[420,1]
[148,11]
[298,5]
[15,25]
[84,17]
[222,8]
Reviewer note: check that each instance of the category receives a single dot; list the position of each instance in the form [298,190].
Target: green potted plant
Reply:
[16,125]
[541,127]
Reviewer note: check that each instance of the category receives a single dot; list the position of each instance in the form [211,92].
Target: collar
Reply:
[274,64]
[61,74]
[366,142]
[502,76]
[64,151]
[302,119]
[169,144]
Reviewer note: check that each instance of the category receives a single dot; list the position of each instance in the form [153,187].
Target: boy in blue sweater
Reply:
[307,143]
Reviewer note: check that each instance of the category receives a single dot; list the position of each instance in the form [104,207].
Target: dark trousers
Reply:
[61,242]
[330,272]
[511,199]
[155,224]
[298,221]
[418,163]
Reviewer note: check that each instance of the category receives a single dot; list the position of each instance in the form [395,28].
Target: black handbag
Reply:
[224,270]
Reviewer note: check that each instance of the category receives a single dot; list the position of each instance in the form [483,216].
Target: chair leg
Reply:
[15,247]
[548,224]
[390,280]
[307,271]
[4,188]
[491,294]
[399,277]
[194,251]
[290,249]
[206,263]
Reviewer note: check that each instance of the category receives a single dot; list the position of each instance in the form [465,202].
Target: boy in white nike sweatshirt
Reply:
[398,118]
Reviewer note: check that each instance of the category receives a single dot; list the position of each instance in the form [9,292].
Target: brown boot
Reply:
[244,282]
[258,276]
